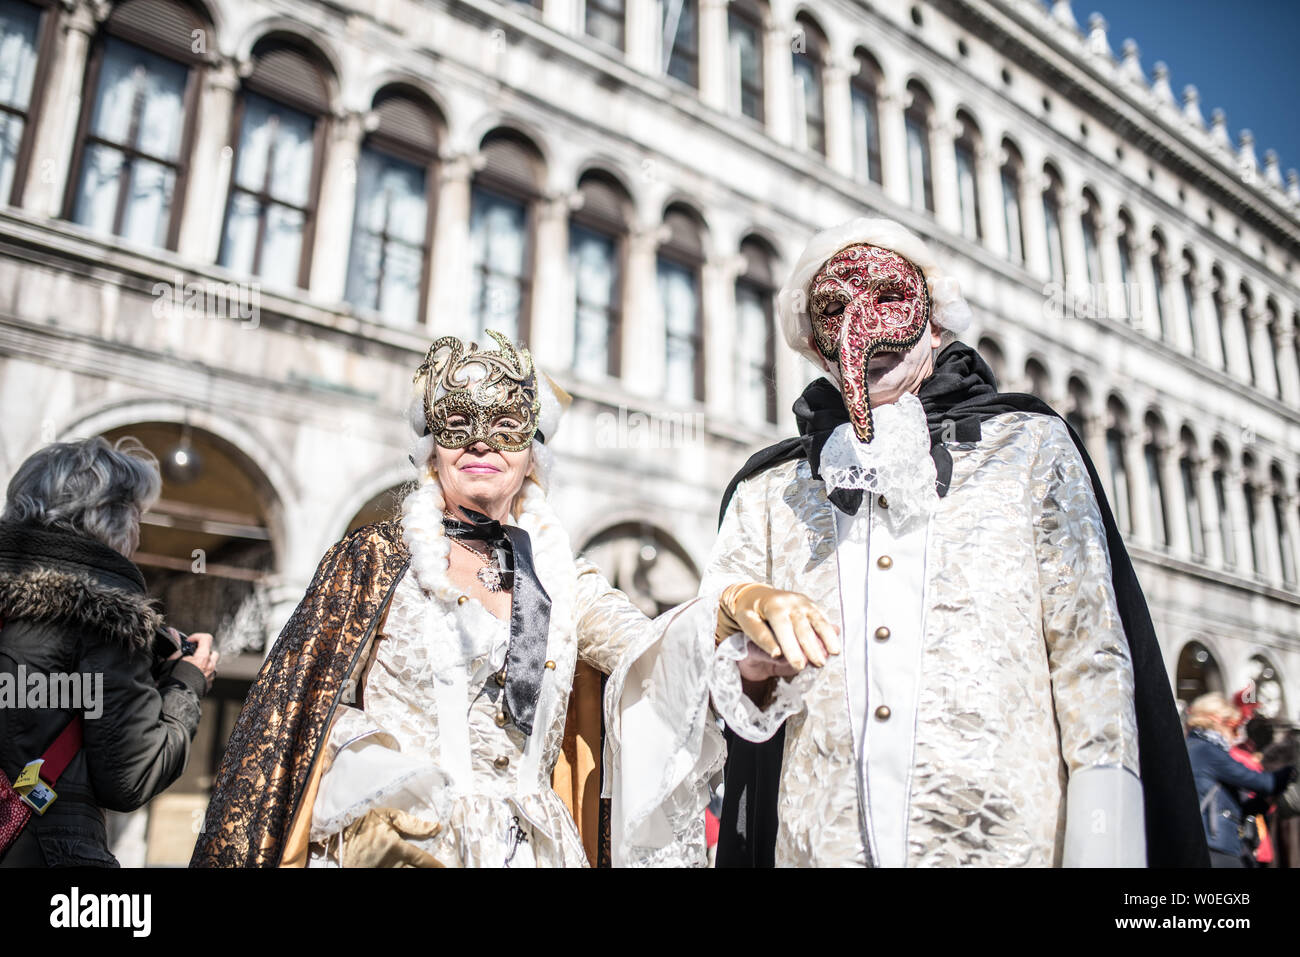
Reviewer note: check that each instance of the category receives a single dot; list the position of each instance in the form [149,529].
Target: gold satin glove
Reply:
[782,623]
[380,839]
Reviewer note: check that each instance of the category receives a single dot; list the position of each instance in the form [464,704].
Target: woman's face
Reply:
[480,477]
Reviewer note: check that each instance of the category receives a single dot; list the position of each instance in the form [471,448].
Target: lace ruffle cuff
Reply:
[734,706]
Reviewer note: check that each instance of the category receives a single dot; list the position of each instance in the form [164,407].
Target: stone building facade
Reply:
[232,227]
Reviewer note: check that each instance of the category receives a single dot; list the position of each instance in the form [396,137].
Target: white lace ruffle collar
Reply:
[896,463]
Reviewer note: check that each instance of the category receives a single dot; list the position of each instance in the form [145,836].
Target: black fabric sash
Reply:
[530,610]
[960,394]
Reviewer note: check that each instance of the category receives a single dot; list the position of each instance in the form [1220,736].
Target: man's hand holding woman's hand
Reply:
[785,629]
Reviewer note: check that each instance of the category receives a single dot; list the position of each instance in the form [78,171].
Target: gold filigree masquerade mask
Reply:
[472,396]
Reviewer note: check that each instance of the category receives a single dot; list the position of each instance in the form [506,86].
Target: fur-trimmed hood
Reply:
[53,577]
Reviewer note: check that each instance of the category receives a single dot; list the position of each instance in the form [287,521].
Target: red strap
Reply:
[64,748]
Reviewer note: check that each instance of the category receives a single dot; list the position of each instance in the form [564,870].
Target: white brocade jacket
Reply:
[981,712]
[433,739]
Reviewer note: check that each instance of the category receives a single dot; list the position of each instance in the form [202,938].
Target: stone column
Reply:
[1260,344]
[1139,488]
[1111,296]
[337,205]
[643,330]
[838,107]
[891,103]
[714,54]
[1270,540]
[450,259]
[643,35]
[943,173]
[1175,501]
[210,164]
[551,318]
[1291,515]
[56,130]
[1287,361]
[565,16]
[1148,319]
[778,81]
[1076,266]
[988,172]
[719,296]
[1182,320]
[1211,522]
[1236,495]
[1211,322]
[1035,226]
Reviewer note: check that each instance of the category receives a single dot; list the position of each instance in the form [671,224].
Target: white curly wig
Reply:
[948,310]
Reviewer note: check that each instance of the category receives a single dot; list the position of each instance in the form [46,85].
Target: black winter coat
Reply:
[72,606]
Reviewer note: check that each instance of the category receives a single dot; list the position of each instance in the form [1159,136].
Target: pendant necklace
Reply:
[490,574]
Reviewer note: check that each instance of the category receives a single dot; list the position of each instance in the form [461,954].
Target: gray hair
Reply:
[88,487]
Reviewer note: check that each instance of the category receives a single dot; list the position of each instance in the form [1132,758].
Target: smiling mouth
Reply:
[480,467]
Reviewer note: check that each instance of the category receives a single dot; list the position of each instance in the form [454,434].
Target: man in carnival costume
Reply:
[413,710]
[1000,699]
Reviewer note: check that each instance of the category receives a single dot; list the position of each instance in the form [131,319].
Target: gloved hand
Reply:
[784,624]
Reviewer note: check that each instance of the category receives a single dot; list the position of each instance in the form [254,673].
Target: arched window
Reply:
[1189,300]
[1052,200]
[1189,475]
[1153,453]
[809,61]
[682,41]
[1227,527]
[1036,378]
[864,91]
[1220,317]
[680,260]
[755,342]
[597,241]
[606,20]
[281,119]
[1198,672]
[1090,221]
[1124,241]
[1247,307]
[131,156]
[992,353]
[502,200]
[1269,693]
[26,30]
[745,66]
[917,121]
[1285,546]
[1012,176]
[966,149]
[1080,404]
[1116,437]
[392,228]
[1159,276]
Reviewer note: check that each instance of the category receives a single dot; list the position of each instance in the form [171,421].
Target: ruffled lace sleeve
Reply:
[735,707]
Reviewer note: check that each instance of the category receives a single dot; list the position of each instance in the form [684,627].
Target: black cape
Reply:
[957,398]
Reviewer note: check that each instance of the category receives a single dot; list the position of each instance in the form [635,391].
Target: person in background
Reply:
[1285,819]
[73,604]
[1258,735]
[1220,780]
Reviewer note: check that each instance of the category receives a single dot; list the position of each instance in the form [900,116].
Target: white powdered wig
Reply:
[948,310]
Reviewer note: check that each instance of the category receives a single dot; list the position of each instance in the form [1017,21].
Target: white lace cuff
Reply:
[735,707]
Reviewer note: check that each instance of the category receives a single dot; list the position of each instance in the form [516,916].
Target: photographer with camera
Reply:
[99,700]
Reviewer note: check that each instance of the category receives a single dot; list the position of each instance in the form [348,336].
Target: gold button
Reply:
[500,677]
[550,666]
[462,599]
[501,763]
[884,561]
[882,633]
[884,502]
[883,712]
[501,719]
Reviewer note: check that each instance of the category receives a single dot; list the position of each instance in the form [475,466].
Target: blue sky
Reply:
[1240,54]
